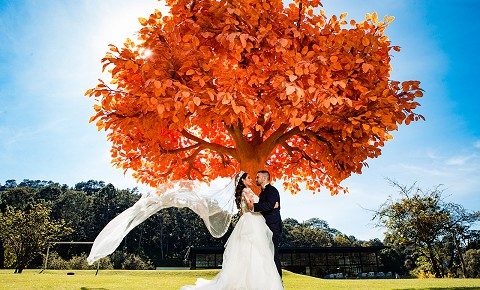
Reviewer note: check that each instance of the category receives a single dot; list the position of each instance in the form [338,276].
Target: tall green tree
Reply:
[75,207]
[459,228]
[419,222]
[108,202]
[25,233]
[15,196]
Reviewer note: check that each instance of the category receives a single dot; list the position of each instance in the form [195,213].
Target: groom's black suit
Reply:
[266,205]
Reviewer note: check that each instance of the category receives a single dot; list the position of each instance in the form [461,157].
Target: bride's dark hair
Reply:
[239,188]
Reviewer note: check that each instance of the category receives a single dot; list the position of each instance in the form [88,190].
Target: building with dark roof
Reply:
[330,262]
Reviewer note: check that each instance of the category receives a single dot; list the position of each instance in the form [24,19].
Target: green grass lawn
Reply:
[166,280]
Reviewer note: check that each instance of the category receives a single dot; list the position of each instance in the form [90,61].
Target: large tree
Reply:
[421,223]
[25,233]
[220,85]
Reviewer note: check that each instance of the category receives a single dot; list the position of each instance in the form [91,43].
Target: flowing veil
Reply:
[215,205]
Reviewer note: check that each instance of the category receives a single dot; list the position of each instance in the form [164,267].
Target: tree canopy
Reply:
[218,86]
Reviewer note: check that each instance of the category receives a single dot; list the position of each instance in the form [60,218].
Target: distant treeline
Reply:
[88,206]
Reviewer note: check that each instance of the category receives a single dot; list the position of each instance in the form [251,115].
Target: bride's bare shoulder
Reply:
[248,192]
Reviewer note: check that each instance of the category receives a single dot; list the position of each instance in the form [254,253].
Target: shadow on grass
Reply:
[444,288]
[86,288]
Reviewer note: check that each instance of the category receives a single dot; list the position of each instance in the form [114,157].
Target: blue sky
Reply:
[50,54]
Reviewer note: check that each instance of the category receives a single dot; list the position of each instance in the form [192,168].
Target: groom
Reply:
[266,205]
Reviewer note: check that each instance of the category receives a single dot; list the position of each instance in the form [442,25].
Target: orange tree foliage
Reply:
[220,85]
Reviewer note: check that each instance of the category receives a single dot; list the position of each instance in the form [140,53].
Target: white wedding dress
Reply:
[248,257]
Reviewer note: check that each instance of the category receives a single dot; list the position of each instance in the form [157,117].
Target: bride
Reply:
[248,257]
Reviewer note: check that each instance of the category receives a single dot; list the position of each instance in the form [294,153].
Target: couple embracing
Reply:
[251,260]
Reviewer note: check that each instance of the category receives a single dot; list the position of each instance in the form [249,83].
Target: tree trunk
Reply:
[433,260]
[161,238]
[460,255]
[139,247]
[19,267]
[2,256]
[252,154]
[23,260]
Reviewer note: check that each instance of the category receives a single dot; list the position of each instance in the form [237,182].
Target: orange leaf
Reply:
[160,109]
[290,90]
[298,71]
[238,109]
[341,84]
[243,39]
[143,21]
[187,37]
[197,101]
[191,107]
[336,66]
[365,41]
[366,67]
[297,121]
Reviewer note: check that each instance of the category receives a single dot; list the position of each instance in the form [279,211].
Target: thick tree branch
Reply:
[300,8]
[289,134]
[276,137]
[296,131]
[212,146]
[317,137]
[191,159]
[178,150]
[290,150]
[237,134]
